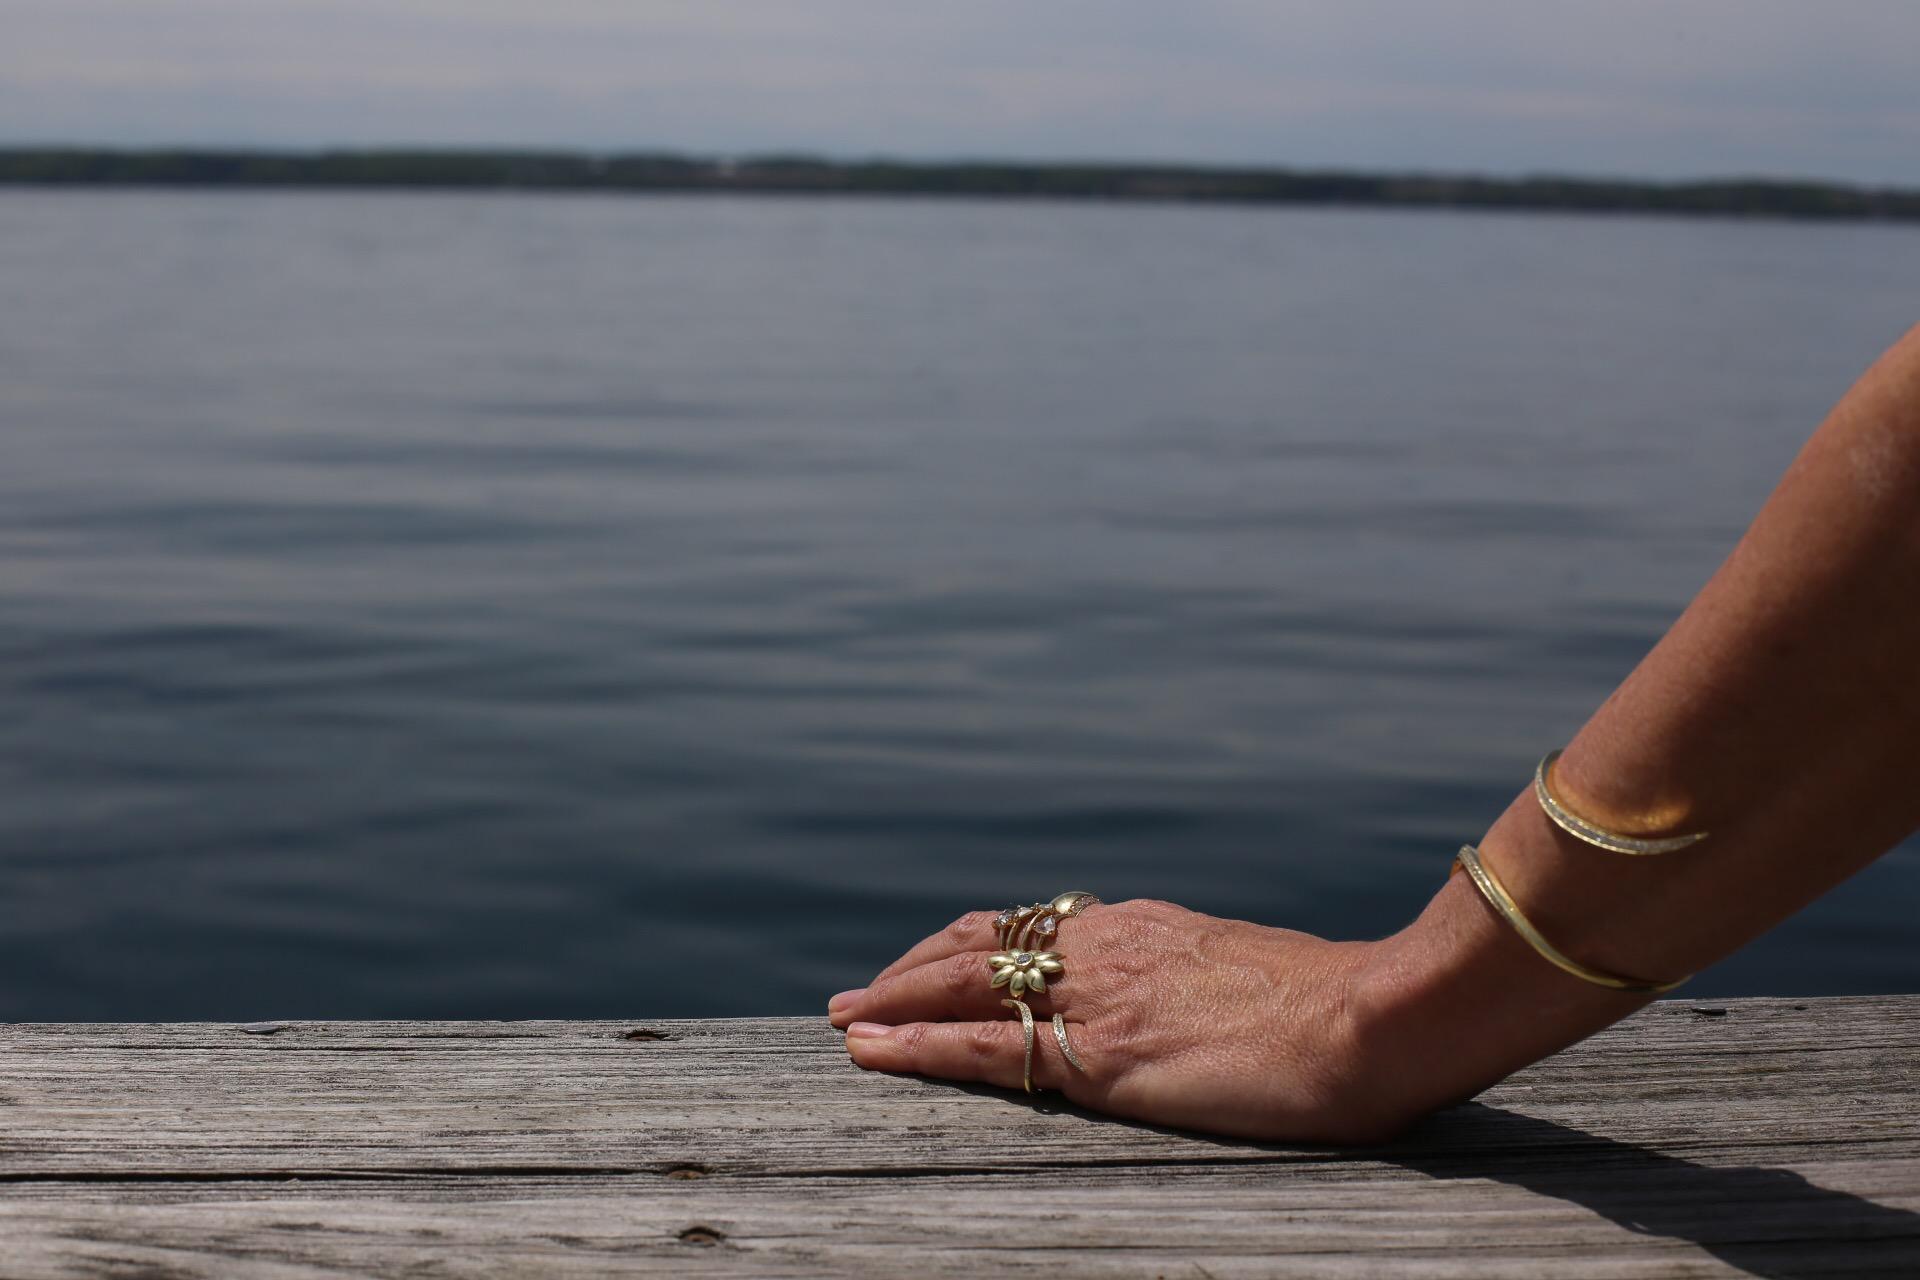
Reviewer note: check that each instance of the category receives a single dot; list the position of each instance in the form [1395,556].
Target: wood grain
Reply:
[1774,1138]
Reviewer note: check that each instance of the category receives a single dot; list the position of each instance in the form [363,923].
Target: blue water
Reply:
[516,605]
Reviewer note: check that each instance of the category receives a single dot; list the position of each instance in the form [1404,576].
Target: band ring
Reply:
[1059,1038]
[1066,1050]
[1026,1028]
[1024,928]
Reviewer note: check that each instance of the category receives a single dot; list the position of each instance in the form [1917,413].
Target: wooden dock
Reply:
[1752,1137]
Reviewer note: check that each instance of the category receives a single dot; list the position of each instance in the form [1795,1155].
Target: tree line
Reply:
[780,174]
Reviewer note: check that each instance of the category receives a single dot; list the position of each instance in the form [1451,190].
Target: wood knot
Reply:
[705,1237]
[646,1033]
[686,1172]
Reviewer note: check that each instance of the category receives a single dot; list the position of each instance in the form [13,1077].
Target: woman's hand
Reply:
[1180,1019]
[1780,712]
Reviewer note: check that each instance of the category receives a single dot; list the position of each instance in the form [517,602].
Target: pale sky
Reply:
[1662,88]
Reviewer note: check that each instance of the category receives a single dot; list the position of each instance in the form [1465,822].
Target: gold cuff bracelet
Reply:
[1599,837]
[1501,901]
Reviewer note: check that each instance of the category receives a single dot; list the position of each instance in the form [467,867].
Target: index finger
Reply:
[973,931]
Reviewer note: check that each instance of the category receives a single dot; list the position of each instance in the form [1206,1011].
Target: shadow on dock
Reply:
[1769,1223]
[1766,1222]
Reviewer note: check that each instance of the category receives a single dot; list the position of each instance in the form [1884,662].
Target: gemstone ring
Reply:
[1021,965]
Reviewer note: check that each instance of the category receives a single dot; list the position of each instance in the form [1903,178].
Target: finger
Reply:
[971,932]
[993,1052]
[974,931]
[957,989]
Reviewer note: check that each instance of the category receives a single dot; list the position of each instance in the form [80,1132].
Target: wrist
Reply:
[1457,1001]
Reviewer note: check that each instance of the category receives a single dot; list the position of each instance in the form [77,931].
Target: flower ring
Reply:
[1023,971]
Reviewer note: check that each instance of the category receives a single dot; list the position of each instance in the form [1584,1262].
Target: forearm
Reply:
[1780,714]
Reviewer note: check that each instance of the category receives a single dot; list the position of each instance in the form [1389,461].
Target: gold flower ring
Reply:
[1023,971]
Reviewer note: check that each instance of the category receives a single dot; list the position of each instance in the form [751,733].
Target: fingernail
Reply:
[867,1031]
[844,999]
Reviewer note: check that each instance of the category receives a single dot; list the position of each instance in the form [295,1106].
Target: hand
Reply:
[1180,1019]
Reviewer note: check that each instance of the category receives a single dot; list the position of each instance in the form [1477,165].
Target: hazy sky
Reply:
[1825,88]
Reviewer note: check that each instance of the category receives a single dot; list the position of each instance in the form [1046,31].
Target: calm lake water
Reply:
[513,605]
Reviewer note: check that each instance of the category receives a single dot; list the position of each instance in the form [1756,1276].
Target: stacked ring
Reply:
[1021,965]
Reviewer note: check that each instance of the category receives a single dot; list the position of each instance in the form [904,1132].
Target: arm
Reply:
[1779,713]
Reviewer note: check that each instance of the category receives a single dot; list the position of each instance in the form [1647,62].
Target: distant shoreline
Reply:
[642,172]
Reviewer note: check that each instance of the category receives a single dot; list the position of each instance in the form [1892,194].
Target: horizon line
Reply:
[1104,163]
[811,174]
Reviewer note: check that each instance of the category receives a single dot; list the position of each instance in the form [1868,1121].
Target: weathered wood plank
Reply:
[1834,1220]
[778,1096]
[1777,1138]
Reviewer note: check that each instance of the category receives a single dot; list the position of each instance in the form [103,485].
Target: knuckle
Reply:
[1124,966]
[1119,1035]
[1108,1060]
[967,927]
[1143,929]
[961,975]
[982,1041]
[909,1038]
[1104,1056]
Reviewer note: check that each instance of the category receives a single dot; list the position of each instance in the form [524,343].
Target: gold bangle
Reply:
[1599,837]
[1501,901]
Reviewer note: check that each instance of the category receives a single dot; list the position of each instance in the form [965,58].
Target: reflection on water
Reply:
[504,605]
